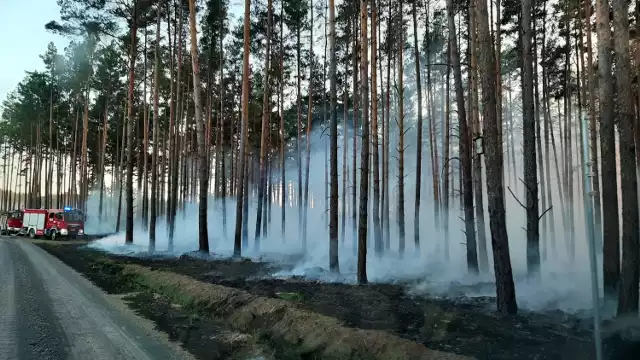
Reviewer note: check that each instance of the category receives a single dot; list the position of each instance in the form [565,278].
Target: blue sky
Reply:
[23,38]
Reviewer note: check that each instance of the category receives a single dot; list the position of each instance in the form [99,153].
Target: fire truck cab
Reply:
[53,223]
[11,222]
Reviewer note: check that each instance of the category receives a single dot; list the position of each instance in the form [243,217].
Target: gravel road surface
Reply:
[50,312]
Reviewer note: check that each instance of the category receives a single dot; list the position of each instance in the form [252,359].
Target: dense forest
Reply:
[441,115]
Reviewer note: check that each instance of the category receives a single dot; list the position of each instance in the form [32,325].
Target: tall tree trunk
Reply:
[203,166]
[540,163]
[155,139]
[364,161]
[498,75]
[334,265]
[593,131]
[630,271]
[446,153]
[299,125]
[547,130]
[145,145]
[103,165]
[477,158]
[416,51]
[465,144]
[610,222]
[385,138]
[505,289]
[568,148]
[529,133]
[356,112]
[85,129]
[265,128]
[282,130]
[49,186]
[433,149]
[309,122]
[222,143]
[374,131]
[130,120]
[237,247]
[121,171]
[174,137]
[401,131]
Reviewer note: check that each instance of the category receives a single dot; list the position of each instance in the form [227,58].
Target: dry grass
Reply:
[310,333]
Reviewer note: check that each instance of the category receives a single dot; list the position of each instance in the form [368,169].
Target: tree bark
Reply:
[237,248]
[505,289]
[476,161]
[130,124]
[203,166]
[610,222]
[593,130]
[364,160]
[416,218]
[309,123]
[263,134]
[155,139]
[465,143]
[282,135]
[401,131]
[378,245]
[333,203]
[529,133]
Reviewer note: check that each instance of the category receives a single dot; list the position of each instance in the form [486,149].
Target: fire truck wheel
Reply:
[32,233]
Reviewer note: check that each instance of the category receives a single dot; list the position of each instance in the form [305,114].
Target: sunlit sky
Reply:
[23,38]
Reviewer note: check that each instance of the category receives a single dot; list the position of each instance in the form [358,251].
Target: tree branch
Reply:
[514,196]
[544,212]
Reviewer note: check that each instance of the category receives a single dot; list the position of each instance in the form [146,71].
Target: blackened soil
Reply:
[466,327]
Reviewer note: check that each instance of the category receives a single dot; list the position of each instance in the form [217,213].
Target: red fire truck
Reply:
[53,223]
[11,222]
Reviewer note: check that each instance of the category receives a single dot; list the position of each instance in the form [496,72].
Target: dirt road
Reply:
[49,312]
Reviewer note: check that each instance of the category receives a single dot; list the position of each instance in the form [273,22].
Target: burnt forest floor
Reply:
[463,327]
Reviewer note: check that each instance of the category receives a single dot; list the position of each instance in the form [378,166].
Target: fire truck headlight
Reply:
[64,231]
[81,232]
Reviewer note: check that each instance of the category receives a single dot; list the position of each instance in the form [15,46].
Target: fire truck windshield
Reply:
[73,216]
